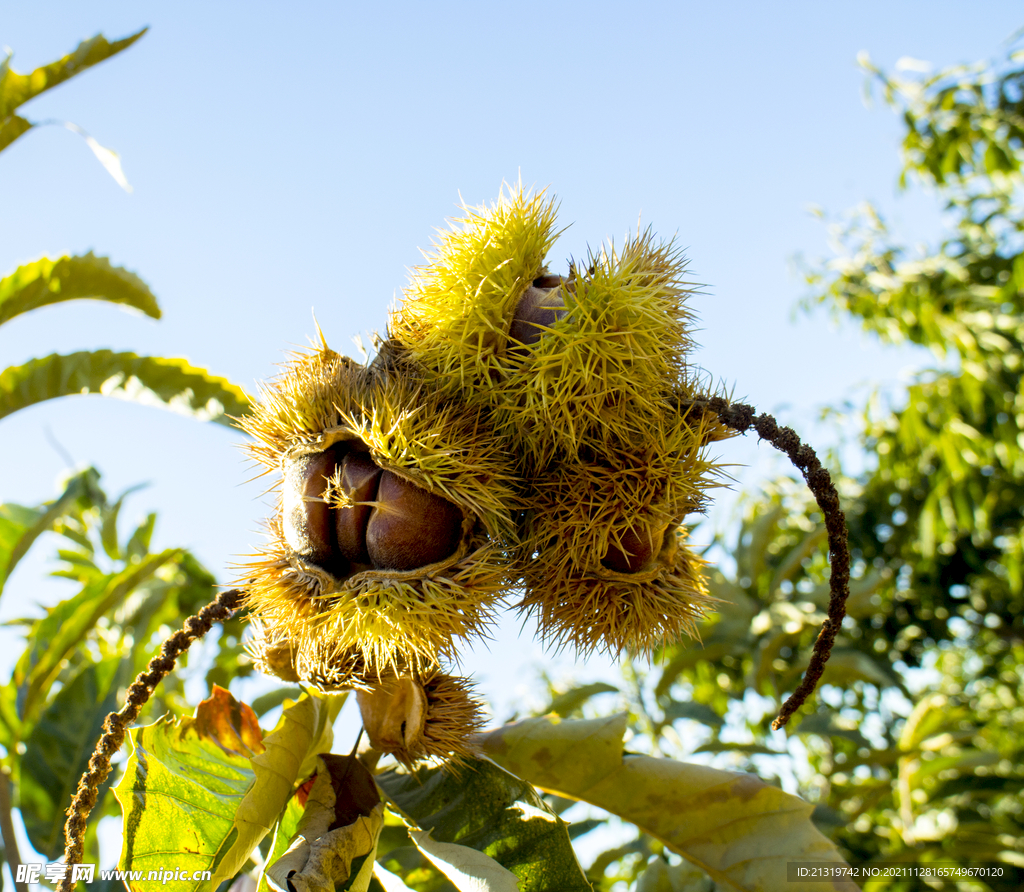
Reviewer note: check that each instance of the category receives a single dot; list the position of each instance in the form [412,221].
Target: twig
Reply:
[116,724]
[741,418]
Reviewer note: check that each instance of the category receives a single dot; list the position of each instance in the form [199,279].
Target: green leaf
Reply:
[108,525]
[21,526]
[571,700]
[138,543]
[12,128]
[741,749]
[734,826]
[47,282]
[488,810]
[17,89]
[284,831]
[155,381]
[200,793]
[52,638]
[60,746]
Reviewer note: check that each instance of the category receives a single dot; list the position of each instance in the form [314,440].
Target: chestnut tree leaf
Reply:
[468,869]
[390,882]
[284,830]
[739,829]
[17,89]
[201,792]
[58,750]
[151,380]
[20,526]
[52,638]
[484,808]
[11,128]
[45,282]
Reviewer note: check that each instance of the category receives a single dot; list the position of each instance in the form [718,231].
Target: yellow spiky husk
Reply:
[577,505]
[431,715]
[390,618]
[607,611]
[456,310]
[603,372]
[387,617]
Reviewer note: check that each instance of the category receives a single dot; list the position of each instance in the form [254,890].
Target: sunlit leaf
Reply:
[486,809]
[389,881]
[200,793]
[284,830]
[12,128]
[154,381]
[734,826]
[17,89]
[469,869]
[45,282]
[53,637]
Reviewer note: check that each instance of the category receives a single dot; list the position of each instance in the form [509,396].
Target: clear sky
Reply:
[292,158]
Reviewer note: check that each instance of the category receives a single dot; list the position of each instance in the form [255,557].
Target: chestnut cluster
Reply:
[344,513]
[540,307]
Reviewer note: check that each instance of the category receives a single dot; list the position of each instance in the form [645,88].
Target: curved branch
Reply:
[116,725]
[741,417]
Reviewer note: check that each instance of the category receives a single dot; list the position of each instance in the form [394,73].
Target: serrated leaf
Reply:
[21,526]
[734,826]
[53,637]
[17,89]
[85,277]
[151,380]
[199,793]
[60,746]
[487,809]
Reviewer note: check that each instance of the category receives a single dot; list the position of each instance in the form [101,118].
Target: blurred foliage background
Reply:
[912,751]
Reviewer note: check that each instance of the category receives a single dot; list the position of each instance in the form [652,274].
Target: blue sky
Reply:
[291,160]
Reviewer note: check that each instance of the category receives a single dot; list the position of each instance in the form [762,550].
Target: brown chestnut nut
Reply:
[410,527]
[359,479]
[540,307]
[307,519]
[636,551]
